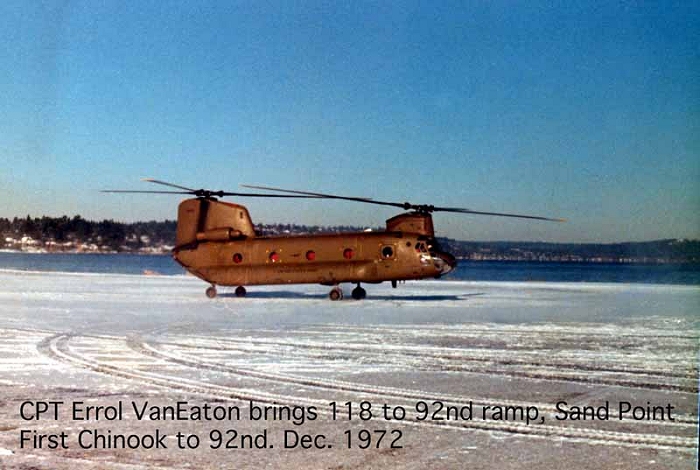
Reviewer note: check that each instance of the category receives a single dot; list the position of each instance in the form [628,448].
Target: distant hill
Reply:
[75,234]
[657,251]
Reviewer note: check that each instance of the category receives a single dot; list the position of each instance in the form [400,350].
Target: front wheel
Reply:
[358,293]
[211,292]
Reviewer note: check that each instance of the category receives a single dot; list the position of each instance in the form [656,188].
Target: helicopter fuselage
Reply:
[216,242]
[370,257]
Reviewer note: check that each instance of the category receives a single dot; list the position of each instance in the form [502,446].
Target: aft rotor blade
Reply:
[210,193]
[423,208]
[165,183]
[207,193]
[143,192]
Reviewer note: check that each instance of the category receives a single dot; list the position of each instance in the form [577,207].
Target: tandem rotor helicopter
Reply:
[217,242]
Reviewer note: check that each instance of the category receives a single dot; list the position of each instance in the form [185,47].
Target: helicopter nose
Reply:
[444,262]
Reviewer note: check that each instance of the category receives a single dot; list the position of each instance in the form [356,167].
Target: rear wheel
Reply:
[240,291]
[335,294]
[211,292]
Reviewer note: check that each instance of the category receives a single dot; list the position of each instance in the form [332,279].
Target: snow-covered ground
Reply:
[421,348]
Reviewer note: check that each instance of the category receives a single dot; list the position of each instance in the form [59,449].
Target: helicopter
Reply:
[217,242]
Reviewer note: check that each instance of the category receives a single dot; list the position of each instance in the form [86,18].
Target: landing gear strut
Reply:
[358,293]
[336,293]
[211,292]
[240,291]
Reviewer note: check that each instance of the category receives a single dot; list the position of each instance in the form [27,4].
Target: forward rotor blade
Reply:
[405,205]
[225,193]
[308,193]
[400,205]
[165,183]
[312,195]
[293,194]
[331,196]
[499,214]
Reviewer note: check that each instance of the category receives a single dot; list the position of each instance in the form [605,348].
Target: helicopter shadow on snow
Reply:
[304,296]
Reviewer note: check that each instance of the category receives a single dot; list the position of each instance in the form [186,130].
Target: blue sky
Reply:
[583,110]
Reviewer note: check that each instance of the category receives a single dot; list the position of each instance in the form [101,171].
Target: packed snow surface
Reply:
[100,338]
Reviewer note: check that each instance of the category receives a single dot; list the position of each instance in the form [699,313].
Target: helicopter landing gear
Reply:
[358,293]
[211,292]
[336,293]
[240,291]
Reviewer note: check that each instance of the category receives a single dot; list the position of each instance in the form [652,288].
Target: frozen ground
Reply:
[106,339]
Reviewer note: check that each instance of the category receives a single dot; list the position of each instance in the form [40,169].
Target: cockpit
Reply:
[430,252]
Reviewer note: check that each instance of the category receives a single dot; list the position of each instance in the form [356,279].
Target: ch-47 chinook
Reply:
[217,242]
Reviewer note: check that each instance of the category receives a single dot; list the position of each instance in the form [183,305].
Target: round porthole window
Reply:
[348,253]
[387,252]
[310,255]
[274,257]
[237,258]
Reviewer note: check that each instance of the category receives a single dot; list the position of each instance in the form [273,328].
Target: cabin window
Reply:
[274,257]
[237,258]
[348,253]
[310,255]
[387,251]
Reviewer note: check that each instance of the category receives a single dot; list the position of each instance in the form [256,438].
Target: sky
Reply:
[583,110]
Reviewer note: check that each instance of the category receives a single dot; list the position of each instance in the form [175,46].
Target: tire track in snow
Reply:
[486,363]
[59,348]
[151,348]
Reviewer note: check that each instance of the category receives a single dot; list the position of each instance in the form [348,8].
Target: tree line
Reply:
[110,233]
[131,236]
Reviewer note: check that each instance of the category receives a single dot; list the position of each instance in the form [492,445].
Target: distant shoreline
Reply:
[46,252]
[77,235]
[460,259]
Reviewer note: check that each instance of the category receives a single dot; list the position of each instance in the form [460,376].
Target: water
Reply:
[687,274]
[90,263]
[466,270]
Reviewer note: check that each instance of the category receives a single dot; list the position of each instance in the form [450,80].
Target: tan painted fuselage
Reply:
[216,242]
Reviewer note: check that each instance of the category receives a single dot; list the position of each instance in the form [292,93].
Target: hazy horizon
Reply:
[364,227]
